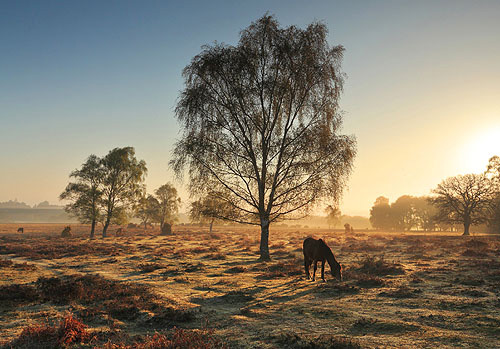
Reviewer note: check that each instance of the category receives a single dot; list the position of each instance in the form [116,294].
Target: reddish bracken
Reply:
[70,331]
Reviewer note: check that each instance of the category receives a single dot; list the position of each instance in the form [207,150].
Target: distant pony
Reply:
[316,251]
[119,232]
[20,230]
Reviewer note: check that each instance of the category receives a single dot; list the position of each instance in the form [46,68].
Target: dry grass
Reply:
[399,290]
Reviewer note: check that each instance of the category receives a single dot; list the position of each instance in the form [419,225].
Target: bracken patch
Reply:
[69,332]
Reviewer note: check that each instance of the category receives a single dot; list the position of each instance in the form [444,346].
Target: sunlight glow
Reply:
[481,148]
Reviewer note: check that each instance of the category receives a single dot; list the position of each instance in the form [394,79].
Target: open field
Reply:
[399,290]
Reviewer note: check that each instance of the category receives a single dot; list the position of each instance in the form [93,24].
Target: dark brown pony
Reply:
[20,230]
[315,251]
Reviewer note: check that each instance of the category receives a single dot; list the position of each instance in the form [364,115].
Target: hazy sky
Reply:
[82,77]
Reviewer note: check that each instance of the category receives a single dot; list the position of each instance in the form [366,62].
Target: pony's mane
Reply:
[327,249]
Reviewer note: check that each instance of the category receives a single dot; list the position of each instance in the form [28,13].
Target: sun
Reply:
[481,148]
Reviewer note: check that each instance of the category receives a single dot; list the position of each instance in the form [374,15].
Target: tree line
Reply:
[111,190]
[470,199]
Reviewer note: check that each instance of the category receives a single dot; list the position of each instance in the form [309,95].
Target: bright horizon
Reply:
[421,97]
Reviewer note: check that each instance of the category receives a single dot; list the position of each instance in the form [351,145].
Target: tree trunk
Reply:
[466,228]
[92,229]
[211,225]
[264,240]
[145,225]
[105,228]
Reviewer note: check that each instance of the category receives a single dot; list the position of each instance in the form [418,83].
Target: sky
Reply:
[422,94]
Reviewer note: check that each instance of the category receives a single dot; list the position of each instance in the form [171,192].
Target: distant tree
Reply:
[13,204]
[404,214]
[209,209]
[467,199]
[147,210]
[85,193]
[333,215]
[380,214]
[261,123]
[122,184]
[168,206]
[425,213]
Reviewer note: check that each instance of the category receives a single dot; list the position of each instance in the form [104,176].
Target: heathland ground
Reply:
[399,289]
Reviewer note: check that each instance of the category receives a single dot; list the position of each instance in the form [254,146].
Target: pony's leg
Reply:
[315,267]
[323,270]
[306,267]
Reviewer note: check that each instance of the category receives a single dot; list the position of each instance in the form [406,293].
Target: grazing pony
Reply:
[20,230]
[315,251]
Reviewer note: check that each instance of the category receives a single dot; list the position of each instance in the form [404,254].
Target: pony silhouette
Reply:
[316,251]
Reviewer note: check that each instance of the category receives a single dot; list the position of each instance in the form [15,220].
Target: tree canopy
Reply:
[405,214]
[168,205]
[333,215]
[147,209]
[209,209]
[261,123]
[85,194]
[467,200]
[122,184]
[106,188]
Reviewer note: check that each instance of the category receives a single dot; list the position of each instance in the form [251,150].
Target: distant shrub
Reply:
[381,267]
[150,267]
[236,296]
[291,267]
[236,270]
[401,292]
[17,293]
[166,229]
[295,341]
[66,232]
[367,281]
[171,315]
